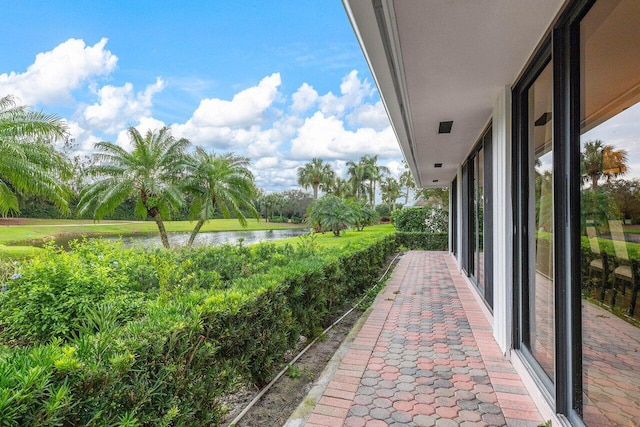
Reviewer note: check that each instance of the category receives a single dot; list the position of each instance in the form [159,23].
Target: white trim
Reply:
[502,222]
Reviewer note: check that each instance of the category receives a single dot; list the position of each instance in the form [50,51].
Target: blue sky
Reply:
[277,81]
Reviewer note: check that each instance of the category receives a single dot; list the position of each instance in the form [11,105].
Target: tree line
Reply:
[159,173]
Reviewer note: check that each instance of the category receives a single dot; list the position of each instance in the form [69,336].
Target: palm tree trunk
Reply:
[155,214]
[315,190]
[195,232]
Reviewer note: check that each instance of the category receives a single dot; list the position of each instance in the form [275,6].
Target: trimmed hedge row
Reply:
[423,241]
[169,361]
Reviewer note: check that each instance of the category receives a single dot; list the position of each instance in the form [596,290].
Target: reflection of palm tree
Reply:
[602,160]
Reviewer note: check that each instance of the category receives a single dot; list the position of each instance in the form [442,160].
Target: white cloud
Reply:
[120,106]
[304,98]
[245,109]
[367,115]
[353,92]
[83,139]
[54,74]
[326,137]
[144,125]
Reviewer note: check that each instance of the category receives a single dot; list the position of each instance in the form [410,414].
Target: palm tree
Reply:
[331,213]
[602,160]
[224,182]
[357,179]
[341,188]
[315,174]
[150,173]
[406,181]
[374,174]
[30,165]
[391,190]
[272,202]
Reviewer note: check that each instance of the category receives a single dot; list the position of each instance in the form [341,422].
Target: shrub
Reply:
[186,345]
[423,241]
[331,213]
[427,219]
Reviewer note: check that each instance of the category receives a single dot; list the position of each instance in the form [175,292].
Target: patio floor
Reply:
[425,356]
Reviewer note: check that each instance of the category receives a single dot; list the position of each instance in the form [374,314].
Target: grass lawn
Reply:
[328,240]
[38,229]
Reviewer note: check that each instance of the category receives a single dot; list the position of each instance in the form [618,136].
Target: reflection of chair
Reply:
[600,262]
[627,270]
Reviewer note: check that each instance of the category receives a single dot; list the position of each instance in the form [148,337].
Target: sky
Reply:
[280,81]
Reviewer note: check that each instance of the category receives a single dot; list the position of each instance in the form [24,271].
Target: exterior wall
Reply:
[502,222]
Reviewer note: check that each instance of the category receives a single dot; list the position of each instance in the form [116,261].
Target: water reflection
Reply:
[214,238]
[203,239]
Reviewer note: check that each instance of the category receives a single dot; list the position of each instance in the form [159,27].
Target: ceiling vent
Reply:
[437,165]
[445,127]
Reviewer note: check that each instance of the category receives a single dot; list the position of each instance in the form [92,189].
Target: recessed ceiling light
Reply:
[437,165]
[445,127]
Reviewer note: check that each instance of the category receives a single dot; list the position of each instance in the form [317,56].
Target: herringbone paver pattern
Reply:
[425,357]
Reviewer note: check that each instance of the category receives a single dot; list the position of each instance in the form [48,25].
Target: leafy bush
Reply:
[364,215]
[423,241]
[187,342]
[428,219]
[331,213]
[52,292]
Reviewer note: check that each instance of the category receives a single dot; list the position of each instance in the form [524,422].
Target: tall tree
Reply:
[224,182]
[272,202]
[341,188]
[315,174]
[29,163]
[357,179]
[150,173]
[600,160]
[391,190]
[374,174]
[406,181]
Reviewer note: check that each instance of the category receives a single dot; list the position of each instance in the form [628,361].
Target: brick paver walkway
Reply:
[425,356]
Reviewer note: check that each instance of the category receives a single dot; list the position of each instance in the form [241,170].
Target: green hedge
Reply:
[423,241]
[191,332]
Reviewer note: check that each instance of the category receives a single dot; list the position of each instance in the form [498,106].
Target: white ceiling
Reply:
[452,59]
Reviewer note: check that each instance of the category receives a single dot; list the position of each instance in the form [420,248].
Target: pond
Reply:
[208,238]
[213,238]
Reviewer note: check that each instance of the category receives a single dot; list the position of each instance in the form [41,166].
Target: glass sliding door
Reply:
[478,223]
[535,221]
[609,127]
[477,179]
[540,336]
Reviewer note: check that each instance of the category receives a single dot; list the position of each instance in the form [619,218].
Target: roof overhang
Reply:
[445,60]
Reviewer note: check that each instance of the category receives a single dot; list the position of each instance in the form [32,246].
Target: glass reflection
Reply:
[610,212]
[541,336]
